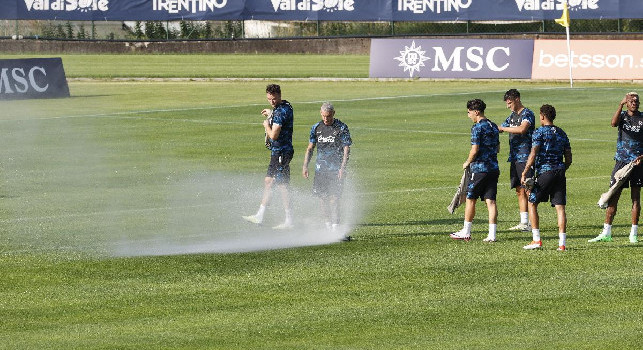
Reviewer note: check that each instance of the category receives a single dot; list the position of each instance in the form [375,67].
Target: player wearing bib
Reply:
[629,146]
[483,163]
[278,127]
[333,140]
[551,154]
[520,125]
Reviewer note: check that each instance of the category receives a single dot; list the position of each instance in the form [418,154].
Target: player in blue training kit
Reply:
[333,141]
[629,146]
[483,163]
[278,126]
[520,125]
[551,154]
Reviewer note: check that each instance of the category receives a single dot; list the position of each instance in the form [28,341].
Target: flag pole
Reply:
[569,59]
[564,21]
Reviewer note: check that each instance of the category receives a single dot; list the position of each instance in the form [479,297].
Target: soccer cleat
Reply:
[284,226]
[489,239]
[533,245]
[603,237]
[253,219]
[561,248]
[460,235]
[634,238]
[521,227]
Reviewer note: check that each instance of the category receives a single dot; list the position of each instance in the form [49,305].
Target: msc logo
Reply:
[313,5]
[471,59]
[17,80]
[412,58]
[67,5]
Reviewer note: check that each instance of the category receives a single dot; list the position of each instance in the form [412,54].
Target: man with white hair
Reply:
[629,146]
[333,141]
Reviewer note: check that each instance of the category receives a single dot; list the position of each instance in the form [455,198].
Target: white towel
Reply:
[620,176]
[461,193]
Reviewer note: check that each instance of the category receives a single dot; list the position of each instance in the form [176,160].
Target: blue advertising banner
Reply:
[451,59]
[32,78]
[327,10]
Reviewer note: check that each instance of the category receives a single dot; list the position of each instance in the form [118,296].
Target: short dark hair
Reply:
[511,94]
[476,105]
[273,89]
[549,112]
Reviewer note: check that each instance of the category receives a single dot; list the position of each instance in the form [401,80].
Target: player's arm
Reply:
[307,156]
[531,161]
[472,155]
[616,118]
[521,129]
[567,158]
[273,130]
[342,169]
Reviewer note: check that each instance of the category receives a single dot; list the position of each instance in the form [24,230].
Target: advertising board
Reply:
[590,59]
[32,78]
[453,59]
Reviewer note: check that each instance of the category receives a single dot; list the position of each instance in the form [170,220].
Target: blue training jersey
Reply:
[330,141]
[553,142]
[485,134]
[629,144]
[520,145]
[283,115]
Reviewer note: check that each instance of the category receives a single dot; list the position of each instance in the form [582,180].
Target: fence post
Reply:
[393,28]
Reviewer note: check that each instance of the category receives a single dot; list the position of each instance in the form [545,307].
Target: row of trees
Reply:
[194,30]
[186,30]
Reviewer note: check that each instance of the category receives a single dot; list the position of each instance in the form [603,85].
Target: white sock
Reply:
[288,216]
[535,233]
[524,217]
[607,229]
[467,227]
[493,228]
[562,238]
[635,230]
[260,212]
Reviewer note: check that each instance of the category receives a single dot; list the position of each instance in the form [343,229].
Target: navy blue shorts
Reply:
[279,167]
[483,185]
[327,184]
[552,186]
[515,173]
[635,179]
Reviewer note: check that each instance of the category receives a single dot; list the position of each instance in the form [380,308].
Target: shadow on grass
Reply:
[88,96]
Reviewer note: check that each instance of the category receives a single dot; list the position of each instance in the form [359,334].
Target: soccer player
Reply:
[551,154]
[520,125]
[333,141]
[483,163]
[278,126]
[629,146]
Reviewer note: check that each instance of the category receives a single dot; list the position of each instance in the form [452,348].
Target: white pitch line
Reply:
[173,208]
[376,98]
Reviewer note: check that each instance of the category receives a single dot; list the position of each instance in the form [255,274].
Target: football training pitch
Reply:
[114,204]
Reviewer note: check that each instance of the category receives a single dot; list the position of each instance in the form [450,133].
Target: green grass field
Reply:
[123,162]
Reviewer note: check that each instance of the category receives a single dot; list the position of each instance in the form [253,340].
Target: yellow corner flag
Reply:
[564,19]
